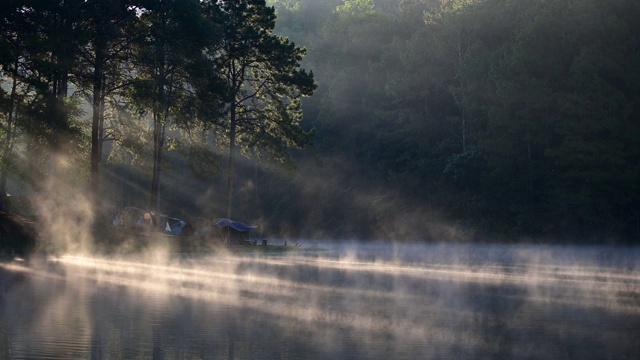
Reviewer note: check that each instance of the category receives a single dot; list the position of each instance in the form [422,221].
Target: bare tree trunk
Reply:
[160,113]
[8,143]
[96,140]
[232,151]
[158,140]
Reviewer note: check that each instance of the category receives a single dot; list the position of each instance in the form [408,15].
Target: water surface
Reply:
[354,301]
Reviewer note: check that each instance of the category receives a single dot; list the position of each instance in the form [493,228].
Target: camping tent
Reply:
[234,231]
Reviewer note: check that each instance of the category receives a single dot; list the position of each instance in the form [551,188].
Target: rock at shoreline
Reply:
[17,234]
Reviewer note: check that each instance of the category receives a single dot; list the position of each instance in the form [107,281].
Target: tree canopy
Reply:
[191,69]
[515,119]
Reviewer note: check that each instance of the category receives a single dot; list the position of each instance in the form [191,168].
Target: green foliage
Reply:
[510,117]
[352,7]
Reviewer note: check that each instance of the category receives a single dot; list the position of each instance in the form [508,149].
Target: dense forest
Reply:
[380,119]
[499,117]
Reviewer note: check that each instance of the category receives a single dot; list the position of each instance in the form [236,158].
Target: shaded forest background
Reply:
[432,119]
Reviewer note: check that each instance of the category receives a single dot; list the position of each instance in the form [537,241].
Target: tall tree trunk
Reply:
[7,148]
[157,157]
[159,129]
[98,111]
[57,118]
[160,113]
[232,151]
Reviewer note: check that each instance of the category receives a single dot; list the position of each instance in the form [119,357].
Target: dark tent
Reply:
[234,231]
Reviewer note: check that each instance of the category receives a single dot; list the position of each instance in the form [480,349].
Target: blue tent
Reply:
[234,231]
[235,225]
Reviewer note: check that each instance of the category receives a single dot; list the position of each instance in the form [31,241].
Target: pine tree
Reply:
[265,82]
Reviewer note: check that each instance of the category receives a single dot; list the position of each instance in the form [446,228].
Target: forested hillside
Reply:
[515,118]
[378,119]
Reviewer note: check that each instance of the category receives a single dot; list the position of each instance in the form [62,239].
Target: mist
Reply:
[352,300]
[328,299]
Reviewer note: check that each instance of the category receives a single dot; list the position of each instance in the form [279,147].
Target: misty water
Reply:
[351,301]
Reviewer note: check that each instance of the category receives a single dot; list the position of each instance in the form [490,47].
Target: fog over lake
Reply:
[349,301]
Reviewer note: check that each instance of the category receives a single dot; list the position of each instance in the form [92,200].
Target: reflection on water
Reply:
[353,302]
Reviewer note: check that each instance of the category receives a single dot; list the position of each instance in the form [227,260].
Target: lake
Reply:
[350,301]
